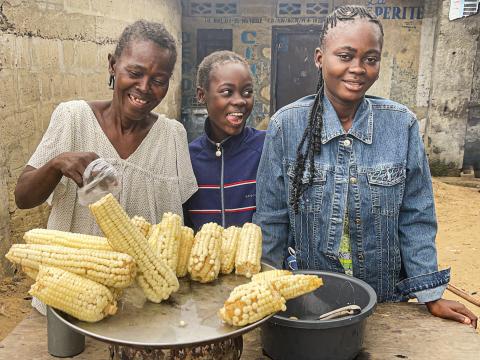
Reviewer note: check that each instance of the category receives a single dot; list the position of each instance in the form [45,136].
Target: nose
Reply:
[143,84]
[357,67]
[238,100]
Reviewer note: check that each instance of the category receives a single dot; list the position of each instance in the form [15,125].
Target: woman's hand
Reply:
[453,310]
[73,164]
[34,186]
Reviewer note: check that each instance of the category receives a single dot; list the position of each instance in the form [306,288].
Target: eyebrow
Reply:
[349,48]
[140,67]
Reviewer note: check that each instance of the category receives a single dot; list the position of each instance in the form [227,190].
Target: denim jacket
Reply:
[377,170]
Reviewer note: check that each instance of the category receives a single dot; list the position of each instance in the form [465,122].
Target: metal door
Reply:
[294,74]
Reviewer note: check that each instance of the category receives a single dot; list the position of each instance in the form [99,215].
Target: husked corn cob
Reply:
[204,261]
[249,251]
[251,302]
[184,249]
[143,225]
[68,239]
[164,239]
[31,273]
[292,286]
[109,268]
[157,280]
[82,298]
[270,275]
[230,238]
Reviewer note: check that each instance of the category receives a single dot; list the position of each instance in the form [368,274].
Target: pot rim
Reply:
[333,323]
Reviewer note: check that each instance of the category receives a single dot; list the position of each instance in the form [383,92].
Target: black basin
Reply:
[286,338]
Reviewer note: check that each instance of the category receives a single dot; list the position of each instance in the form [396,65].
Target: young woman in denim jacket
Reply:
[344,178]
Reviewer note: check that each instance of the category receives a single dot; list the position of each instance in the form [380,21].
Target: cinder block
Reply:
[23,52]
[7,51]
[28,89]
[8,91]
[79,6]
[86,55]
[67,58]
[45,53]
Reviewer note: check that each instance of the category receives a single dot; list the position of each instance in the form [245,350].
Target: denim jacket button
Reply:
[360,256]
[353,180]
[357,221]
[346,142]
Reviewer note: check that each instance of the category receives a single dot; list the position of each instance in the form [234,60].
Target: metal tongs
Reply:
[340,312]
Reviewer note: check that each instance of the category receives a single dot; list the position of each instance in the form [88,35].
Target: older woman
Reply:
[148,150]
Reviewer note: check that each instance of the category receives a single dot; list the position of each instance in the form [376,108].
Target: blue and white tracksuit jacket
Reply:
[226,174]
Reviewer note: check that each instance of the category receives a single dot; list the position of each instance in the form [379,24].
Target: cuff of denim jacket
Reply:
[425,296]
[409,286]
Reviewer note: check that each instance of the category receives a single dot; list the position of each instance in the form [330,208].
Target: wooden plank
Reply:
[394,331]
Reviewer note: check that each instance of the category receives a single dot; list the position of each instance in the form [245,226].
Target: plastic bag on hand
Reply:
[99,179]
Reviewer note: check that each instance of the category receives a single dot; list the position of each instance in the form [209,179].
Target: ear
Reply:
[111,64]
[318,58]
[201,95]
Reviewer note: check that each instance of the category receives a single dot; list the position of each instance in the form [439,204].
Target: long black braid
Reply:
[313,132]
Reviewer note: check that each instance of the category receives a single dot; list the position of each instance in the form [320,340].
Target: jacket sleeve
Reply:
[418,227]
[271,198]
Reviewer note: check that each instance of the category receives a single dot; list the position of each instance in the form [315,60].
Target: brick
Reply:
[28,89]
[109,30]
[23,54]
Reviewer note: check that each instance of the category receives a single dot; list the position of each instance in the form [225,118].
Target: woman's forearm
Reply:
[34,186]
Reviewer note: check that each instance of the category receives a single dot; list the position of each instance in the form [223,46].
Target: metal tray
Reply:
[159,325]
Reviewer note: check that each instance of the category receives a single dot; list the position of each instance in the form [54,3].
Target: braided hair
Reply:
[213,60]
[312,135]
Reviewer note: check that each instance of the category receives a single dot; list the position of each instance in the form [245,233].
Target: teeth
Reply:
[140,101]
[236,114]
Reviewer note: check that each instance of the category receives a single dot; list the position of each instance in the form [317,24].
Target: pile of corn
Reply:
[266,294]
[83,275]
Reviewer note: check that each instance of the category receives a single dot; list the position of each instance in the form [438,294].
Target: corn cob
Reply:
[249,251]
[251,302]
[63,238]
[204,261]
[270,275]
[82,298]
[157,280]
[184,249]
[230,238]
[143,225]
[292,286]
[31,273]
[105,267]
[164,239]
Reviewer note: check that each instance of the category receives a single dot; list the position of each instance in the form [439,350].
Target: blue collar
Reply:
[362,127]
[229,142]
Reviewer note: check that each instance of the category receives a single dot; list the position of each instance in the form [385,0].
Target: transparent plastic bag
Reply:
[99,179]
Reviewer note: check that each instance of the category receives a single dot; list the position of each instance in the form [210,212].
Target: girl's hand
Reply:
[73,164]
[452,310]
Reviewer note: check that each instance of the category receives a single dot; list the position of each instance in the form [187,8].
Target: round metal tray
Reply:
[159,325]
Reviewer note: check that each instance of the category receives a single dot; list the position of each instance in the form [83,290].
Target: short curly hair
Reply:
[213,60]
[147,30]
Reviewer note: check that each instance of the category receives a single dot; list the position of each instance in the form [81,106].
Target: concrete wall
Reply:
[452,86]
[52,51]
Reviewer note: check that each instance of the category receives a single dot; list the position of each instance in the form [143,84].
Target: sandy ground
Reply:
[458,244]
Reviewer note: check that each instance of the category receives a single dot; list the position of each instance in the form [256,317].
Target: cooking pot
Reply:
[298,334]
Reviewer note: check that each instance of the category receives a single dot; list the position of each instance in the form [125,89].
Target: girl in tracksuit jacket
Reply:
[226,157]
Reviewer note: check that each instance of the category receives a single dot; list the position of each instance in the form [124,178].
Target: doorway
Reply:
[294,74]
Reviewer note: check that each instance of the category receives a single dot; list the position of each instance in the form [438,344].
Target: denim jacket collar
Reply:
[362,127]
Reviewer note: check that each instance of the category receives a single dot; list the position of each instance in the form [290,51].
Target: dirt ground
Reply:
[458,244]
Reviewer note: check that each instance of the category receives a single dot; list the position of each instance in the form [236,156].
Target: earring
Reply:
[111,81]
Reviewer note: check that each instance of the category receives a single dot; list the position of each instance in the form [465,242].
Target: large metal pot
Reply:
[286,338]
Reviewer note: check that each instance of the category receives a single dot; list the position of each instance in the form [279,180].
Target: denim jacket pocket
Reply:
[386,186]
[311,199]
